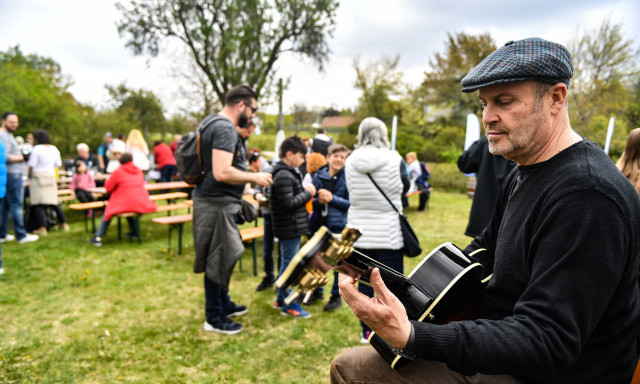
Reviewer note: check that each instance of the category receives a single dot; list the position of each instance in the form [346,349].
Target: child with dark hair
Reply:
[81,181]
[288,199]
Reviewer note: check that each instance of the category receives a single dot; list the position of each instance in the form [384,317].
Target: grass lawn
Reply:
[74,313]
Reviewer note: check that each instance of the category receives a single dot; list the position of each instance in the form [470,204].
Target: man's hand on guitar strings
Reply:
[384,313]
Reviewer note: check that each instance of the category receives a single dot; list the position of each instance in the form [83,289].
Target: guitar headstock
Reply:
[306,271]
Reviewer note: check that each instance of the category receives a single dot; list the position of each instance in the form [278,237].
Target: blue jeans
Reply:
[391,258]
[216,299]
[12,205]
[1,201]
[287,249]
[104,225]
[335,290]
[167,172]
[267,247]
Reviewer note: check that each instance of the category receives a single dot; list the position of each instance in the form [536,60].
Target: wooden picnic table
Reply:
[151,187]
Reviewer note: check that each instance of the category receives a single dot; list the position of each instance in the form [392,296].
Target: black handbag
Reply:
[411,242]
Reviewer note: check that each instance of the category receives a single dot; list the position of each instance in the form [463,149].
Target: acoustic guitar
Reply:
[443,287]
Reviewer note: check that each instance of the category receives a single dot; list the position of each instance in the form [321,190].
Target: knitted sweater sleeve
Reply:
[577,256]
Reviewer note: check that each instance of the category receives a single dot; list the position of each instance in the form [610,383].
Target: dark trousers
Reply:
[216,299]
[167,172]
[267,247]
[392,258]
[42,219]
[424,196]
[84,196]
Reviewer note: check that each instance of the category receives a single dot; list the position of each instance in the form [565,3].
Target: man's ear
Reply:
[558,97]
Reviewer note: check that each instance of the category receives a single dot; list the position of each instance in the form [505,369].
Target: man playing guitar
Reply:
[562,304]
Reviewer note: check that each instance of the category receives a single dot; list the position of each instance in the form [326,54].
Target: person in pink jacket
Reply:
[127,194]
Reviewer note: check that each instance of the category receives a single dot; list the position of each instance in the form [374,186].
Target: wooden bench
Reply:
[252,234]
[174,222]
[161,208]
[170,197]
[177,222]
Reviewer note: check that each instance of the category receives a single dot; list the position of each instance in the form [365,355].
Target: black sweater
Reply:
[562,304]
[288,200]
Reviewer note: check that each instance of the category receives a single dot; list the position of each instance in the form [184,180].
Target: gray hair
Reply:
[372,131]
[82,146]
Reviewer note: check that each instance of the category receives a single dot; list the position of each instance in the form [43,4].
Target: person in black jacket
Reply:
[288,200]
[562,304]
[490,170]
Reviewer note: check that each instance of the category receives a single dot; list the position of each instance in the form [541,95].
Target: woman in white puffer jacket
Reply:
[381,235]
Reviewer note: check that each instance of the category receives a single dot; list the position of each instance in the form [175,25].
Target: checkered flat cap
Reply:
[528,59]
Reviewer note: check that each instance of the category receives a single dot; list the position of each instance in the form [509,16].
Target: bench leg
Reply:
[169,242]
[119,229]
[255,258]
[180,226]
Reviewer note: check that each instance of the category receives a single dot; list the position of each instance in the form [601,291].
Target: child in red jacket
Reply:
[128,194]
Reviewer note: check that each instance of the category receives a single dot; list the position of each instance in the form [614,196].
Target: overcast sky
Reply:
[81,36]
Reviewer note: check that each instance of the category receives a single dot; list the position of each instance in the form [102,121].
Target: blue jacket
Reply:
[336,218]
[3,172]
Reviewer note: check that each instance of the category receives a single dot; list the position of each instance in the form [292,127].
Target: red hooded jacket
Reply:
[126,186]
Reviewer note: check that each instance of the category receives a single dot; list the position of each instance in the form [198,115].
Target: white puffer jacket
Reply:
[368,209]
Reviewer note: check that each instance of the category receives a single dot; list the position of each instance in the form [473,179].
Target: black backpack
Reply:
[425,175]
[188,157]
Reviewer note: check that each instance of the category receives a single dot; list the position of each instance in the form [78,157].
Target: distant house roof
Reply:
[337,121]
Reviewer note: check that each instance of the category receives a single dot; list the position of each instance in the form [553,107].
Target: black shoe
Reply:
[315,296]
[235,310]
[267,282]
[131,235]
[334,303]
[96,241]
[222,325]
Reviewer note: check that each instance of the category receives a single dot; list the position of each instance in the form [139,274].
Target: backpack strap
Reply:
[383,194]
[203,126]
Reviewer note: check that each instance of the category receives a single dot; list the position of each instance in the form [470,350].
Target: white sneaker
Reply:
[7,238]
[1,271]
[28,239]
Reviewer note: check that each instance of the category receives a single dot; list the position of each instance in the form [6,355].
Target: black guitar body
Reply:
[443,287]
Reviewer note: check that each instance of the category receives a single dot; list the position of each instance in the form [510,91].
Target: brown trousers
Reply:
[364,365]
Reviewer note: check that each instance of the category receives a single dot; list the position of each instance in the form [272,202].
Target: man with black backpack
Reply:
[217,200]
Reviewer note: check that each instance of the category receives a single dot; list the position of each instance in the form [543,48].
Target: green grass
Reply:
[73,313]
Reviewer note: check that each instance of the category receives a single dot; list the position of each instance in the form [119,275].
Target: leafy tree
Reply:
[632,112]
[605,69]
[380,82]
[35,88]
[194,88]
[441,86]
[140,106]
[232,42]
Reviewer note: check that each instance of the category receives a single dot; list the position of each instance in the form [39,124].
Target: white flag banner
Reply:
[279,139]
[394,131]
[473,130]
[607,143]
